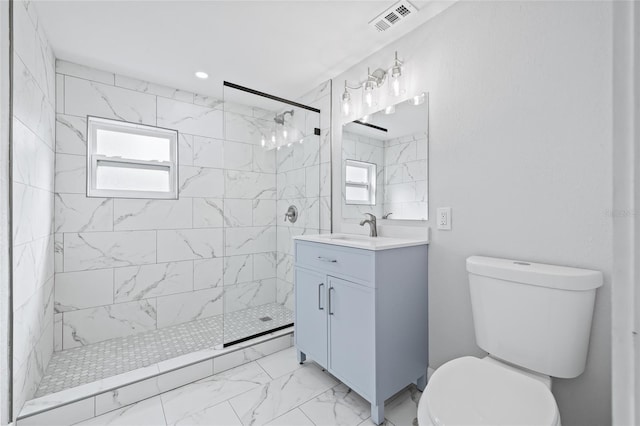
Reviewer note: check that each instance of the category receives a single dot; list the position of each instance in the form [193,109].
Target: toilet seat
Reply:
[472,391]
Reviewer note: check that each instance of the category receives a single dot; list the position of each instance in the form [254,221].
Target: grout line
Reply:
[299,407]
[262,368]
[231,405]
[164,414]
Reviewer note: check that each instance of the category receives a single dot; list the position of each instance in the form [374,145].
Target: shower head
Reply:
[279,118]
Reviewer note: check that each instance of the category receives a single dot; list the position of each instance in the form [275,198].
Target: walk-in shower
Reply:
[220,271]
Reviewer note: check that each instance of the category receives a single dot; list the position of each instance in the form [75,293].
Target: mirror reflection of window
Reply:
[360,182]
[395,140]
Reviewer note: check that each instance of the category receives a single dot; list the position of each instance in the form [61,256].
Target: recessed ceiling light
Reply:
[202,74]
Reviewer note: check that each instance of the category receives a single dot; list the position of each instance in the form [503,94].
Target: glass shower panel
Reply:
[272,193]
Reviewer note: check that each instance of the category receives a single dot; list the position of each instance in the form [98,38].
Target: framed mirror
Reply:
[385,163]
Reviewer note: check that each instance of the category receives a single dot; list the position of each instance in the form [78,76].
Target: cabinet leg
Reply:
[301,356]
[421,383]
[377,413]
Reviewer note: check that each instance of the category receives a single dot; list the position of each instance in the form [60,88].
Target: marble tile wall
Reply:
[401,174]
[33,195]
[405,177]
[129,265]
[304,180]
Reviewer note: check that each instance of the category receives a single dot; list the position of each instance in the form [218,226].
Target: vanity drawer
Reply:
[335,260]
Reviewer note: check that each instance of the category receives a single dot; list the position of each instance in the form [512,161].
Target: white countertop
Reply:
[362,241]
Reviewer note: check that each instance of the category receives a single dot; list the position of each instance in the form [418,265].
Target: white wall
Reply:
[33,184]
[520,148]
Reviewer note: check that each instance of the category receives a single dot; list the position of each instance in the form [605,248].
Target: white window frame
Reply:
[93,159]
[370,186]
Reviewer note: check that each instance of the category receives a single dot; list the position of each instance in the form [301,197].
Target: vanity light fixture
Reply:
[396,78]
[374,81]
[418,99]
[346,101]
[201,74]
[369,94]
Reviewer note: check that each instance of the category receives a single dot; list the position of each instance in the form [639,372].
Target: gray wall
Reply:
[520,148]
[625,299]
[33,181]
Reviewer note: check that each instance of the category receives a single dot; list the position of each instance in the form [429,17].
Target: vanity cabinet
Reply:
[362,315]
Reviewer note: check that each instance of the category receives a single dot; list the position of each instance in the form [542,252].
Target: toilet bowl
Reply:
[473,391]
[534,320]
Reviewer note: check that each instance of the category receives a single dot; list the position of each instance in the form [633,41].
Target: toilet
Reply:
[534,320]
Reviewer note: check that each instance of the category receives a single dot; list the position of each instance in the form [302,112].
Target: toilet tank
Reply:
[533,315]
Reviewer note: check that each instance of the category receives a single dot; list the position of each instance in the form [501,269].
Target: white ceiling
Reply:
[280,47]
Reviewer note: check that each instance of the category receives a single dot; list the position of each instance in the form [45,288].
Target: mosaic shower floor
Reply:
[86,364]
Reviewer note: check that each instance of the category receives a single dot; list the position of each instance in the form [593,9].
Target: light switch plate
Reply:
[444,218]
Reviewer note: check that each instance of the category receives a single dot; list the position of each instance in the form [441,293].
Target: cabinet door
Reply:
[351,334]
[311,314]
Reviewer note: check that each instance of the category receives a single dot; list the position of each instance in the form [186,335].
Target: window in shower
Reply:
[277,165]
[129,160]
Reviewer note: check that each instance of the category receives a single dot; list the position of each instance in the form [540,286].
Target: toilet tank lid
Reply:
[551,276]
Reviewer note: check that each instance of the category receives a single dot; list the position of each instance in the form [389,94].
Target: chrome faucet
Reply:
[373,228]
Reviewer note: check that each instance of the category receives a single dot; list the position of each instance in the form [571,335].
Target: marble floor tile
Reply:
[247,395]
[144,413]
[280,363]
[337,406]
[196,403]
[402,409]
[294,417]
[218,415]
[265,403]
[386,422]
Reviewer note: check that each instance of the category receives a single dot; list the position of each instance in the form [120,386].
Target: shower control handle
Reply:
[330,311]
[292,214]
[320,307]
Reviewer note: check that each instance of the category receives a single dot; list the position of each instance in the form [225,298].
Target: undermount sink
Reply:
[362,241]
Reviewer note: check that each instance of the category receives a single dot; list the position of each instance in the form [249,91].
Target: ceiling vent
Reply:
[391,17]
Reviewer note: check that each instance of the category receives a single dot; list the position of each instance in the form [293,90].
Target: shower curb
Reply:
[94,399]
